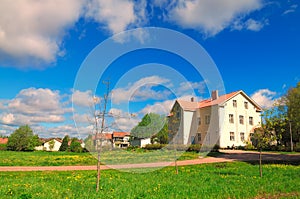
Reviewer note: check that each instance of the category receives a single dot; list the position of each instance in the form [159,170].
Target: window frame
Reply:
[231,118]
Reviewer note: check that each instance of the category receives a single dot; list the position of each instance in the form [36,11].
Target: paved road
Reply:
[227,156]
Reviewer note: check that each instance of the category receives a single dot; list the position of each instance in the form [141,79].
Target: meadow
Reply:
[219,180]
[42,158]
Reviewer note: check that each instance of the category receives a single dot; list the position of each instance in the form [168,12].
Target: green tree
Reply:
[162,136]
[23,139]
[150,125]
[75,146]
[292,102]
[89,143]
[64,145]
[261,139]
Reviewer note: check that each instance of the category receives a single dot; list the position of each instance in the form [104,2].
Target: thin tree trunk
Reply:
[176,166]
[98,172]
[260,165]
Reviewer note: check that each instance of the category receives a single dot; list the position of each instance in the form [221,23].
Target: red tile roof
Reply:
[192,106]
[120,134]
[3,140]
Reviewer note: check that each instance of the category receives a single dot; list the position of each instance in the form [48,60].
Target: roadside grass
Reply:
[219,180]
[42,158]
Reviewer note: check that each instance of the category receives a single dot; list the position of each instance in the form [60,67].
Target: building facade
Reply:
[226,120]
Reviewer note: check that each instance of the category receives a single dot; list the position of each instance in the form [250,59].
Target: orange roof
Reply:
[120,134]
[192,106]
[187,105]
[3,140]
[220,100]
[107,136]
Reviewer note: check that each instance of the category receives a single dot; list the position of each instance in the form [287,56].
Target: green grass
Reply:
[40,158]
[220,180]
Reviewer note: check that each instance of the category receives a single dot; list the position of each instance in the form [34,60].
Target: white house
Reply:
[226,120]
[50,145]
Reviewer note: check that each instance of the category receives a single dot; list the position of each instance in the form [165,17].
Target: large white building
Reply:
[226,120]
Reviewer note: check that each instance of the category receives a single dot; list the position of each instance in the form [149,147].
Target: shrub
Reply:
[154,146]
[3,147]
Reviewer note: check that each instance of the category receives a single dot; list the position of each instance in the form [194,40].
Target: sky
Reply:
[57,56]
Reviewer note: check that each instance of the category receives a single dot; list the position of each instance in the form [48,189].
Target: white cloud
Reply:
[140,90]
[32,106]
[264,97]
[31,32]
[291,9]
[82,98]
[162,108]
[254,25]
[115,14]
[186,88]
[211,16]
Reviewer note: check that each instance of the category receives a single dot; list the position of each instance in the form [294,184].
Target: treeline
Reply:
[23,139]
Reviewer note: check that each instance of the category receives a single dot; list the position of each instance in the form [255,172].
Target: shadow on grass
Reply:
[267,158]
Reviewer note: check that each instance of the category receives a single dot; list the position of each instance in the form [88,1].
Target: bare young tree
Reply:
[99,125]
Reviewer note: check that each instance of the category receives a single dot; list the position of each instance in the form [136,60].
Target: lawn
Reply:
[219,180]
[41,158]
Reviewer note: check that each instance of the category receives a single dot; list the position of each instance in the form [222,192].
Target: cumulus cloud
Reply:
[116,15]
[141,90]
[162,108]
[82,98]
[264,97]
[32,31]
[188,87]
[210,16]
[32,106]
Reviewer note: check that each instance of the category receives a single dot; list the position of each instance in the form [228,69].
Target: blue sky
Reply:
[44,46]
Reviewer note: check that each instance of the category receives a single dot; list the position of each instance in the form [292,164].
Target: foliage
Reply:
[89,143]
[23,139]
[75,146]
[3,147]
[162,136]
[262,138]
[292,101]
[282,114]
[151,124]
[64,145]
[220,180]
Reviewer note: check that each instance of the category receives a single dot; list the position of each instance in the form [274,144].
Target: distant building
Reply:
[3,140]
[51,144]
[226,120]
[114,139]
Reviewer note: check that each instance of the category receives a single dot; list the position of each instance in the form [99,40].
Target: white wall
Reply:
[236,127]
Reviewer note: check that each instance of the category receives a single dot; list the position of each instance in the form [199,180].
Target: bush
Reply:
[154,146]
[3,147]
[297,147]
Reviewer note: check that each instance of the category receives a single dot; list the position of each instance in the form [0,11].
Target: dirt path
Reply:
[227,156]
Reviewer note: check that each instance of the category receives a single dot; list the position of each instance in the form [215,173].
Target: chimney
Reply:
[192,99]
[214,95]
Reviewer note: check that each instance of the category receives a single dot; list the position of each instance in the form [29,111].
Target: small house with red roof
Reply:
[3,140]
[227,120]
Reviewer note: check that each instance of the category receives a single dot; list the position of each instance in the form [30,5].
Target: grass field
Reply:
[40,158]
[220,180]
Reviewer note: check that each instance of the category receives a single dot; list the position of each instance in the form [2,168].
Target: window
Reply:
[234,103]
[231,120]
[207,119]
[241,119]
[199,137]
[246,105]
[251,120]
[231,136]
[242,136]
[177,114]
[199,121]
